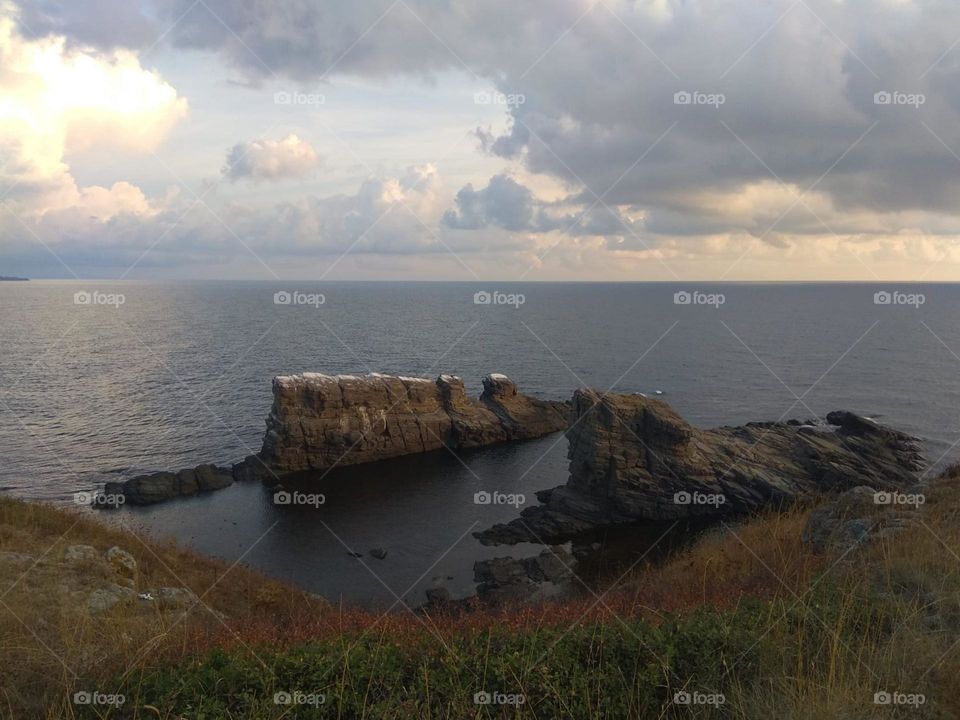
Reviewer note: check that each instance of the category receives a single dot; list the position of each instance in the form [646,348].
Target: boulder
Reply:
[81,554]
[510,581]
[318,421]
[122,561]
[634,459]
[105,598]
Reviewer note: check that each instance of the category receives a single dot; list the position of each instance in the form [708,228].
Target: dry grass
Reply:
[882,618]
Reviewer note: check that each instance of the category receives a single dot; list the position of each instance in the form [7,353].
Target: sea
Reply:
[103,380]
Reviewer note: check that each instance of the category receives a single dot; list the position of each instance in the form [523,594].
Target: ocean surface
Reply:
[104,380]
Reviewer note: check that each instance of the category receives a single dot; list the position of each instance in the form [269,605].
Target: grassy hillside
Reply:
[748,623]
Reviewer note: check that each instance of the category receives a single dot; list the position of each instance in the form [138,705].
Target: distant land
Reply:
[12,279]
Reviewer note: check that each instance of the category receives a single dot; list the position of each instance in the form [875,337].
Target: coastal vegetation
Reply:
[748,622]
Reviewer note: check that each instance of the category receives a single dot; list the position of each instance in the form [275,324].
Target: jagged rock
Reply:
[318,421]
[634,459]
[121,560]
[159,486]
[81,554]
[508,581]
[104,598]
[378,553]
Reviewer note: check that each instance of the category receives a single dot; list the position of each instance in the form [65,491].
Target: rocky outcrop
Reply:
[318,421]
[159,486]
[507,581]
[635,459]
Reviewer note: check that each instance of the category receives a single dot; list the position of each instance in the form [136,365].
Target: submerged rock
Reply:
[318,421]
[634,459]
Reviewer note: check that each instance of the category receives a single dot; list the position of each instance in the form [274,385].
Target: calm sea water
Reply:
[179,374]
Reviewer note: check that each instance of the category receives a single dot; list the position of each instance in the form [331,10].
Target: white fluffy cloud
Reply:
[56,99]
[289,158]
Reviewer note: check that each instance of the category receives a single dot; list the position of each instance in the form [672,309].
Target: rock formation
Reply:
[318,421]
[635,459]
[159,486]
[508,581]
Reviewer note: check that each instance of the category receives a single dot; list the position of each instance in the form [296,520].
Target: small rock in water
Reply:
[378,552]
[355,554]
[658,392]
[438,596]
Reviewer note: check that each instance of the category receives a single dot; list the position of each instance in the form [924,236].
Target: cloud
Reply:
[798,158]
[599,81]
[56,100]
[289,158]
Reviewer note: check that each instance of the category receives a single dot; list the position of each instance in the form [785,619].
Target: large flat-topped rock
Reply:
[318,421]
[634,459]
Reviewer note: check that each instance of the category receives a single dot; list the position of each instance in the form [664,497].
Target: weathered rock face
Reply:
[635,459]
[318,421]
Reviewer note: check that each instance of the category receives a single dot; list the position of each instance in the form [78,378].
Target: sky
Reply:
[480,139]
